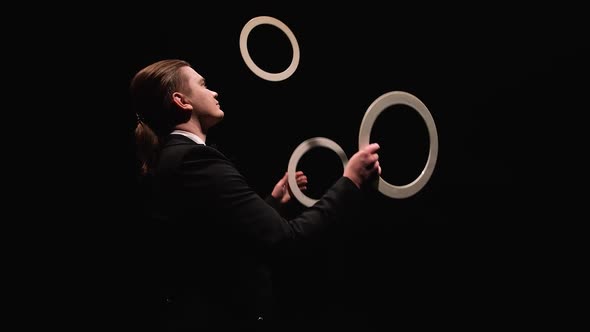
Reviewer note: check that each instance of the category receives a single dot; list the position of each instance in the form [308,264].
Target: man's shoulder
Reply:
[178,147]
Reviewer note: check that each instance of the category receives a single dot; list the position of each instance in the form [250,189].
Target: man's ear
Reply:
[181,101]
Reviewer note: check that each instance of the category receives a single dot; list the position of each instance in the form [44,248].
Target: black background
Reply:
[475,247]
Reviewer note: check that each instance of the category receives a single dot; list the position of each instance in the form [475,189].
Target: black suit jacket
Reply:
[214,238]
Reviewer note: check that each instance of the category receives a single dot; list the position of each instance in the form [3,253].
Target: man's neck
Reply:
[194,128]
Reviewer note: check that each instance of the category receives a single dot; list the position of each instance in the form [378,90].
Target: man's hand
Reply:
[282,192]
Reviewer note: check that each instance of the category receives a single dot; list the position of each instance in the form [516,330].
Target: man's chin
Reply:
[217,119]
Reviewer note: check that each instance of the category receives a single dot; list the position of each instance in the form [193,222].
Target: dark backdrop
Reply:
[505,87]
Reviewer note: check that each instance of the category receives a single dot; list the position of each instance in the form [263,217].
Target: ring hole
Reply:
[270,48]
[404,140]
[322,167]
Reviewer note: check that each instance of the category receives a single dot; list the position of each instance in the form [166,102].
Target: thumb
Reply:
[283,180]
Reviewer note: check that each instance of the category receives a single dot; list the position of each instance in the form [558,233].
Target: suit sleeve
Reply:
[273,202]
[226,193]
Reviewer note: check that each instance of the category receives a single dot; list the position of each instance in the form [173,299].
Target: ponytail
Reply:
[146,142]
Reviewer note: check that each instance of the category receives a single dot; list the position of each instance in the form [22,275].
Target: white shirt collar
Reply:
[190,135]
